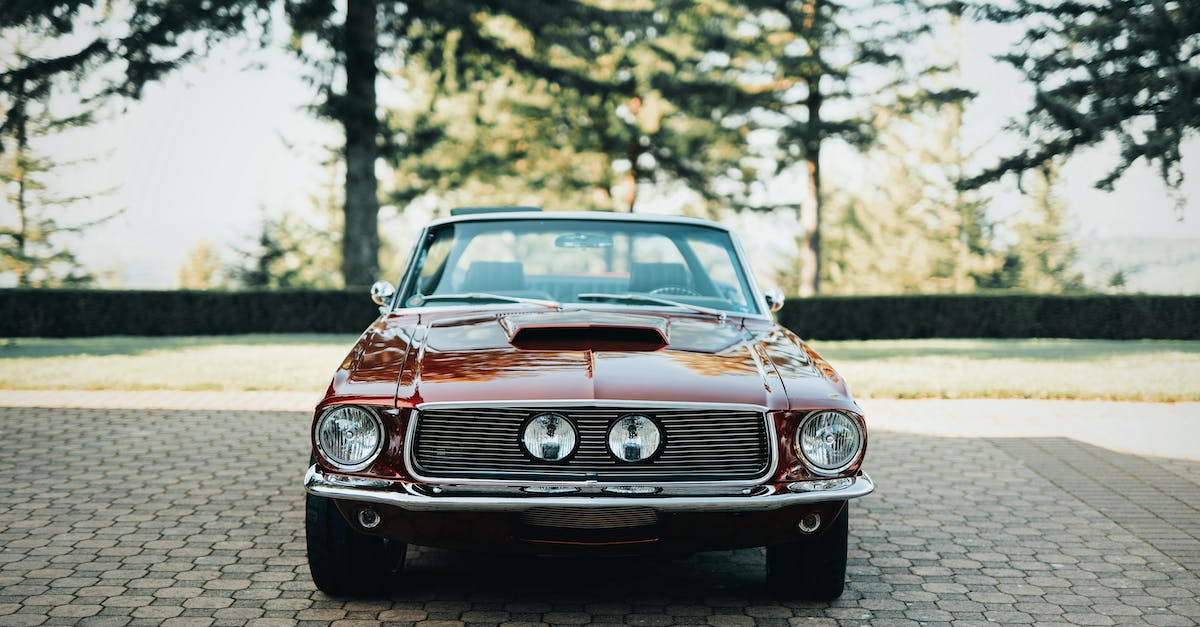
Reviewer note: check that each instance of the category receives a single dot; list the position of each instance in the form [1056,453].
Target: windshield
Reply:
[578,261]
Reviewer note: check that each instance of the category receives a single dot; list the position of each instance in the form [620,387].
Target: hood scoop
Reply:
[590,330]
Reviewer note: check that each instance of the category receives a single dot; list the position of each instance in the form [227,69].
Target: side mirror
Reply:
[774,297]
[382,293]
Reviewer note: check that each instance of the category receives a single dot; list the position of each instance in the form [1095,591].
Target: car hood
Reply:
[584,355]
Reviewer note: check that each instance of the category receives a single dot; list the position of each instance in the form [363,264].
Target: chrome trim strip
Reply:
[404,496]
[407,275]
[581,215]
[410,432]
[590,402]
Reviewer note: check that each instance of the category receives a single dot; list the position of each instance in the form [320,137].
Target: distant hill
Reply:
[1151,265]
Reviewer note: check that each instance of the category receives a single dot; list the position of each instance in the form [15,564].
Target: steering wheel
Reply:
[675,290]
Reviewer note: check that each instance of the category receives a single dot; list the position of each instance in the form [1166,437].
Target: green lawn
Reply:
[1130,370]
[1142,370]
[227,362]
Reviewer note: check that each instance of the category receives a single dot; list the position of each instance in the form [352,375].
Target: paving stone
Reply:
[120,531]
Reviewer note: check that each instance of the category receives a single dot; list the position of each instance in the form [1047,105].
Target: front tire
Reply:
[344,562]
[813,568]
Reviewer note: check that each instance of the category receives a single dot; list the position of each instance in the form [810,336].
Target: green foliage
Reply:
[117,48]
[82,313]
[1116,69]
[994,316]
[908,228]
[587,104]
[36,224]
[296,250]
[202,269]
[290,252]
[826,71]
[1045,256]
[510,107]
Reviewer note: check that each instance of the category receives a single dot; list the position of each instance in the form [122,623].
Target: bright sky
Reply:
[205,153]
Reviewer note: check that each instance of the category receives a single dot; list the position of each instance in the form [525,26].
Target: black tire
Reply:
[344,562]
[814,568]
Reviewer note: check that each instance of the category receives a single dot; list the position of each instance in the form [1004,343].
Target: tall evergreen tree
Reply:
[830,66]
[1123,70]
[1044,252]
[907,227]
[37,222]
[202,268]
[94,50]
[512,98]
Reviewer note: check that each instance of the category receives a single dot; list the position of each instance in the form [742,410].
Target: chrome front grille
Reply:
[701,444]
[589,518]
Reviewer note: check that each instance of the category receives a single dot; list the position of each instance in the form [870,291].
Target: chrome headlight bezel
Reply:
[342,464]
[859,431]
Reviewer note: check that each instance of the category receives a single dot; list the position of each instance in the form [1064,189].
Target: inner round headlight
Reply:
[829,440]
[349,436]
[549,437]
[634,438]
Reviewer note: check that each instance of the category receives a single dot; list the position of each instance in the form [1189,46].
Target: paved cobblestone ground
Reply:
[152,516]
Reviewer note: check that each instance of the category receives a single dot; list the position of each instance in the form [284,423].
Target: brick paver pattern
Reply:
[153,516]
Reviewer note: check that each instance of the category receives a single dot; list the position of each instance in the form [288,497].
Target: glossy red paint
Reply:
[674,533]
[417,356]
[413,358]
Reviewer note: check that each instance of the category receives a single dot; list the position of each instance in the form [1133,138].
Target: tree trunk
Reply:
[631,179]
[360,238]
[21,232]
[810,209]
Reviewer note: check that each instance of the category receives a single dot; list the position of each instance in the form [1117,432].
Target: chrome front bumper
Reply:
[413,497]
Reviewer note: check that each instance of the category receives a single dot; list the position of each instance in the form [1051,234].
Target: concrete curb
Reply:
[162,399]
[1157,429]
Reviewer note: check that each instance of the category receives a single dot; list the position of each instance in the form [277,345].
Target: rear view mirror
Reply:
[583,240]
[774,298]
[382,292]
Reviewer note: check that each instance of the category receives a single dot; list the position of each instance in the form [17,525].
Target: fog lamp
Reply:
[549,437]
[634,438]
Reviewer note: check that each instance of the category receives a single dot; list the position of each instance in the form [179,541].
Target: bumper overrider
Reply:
[421,497]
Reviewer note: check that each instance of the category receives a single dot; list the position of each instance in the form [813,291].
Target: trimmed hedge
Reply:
[994,316]
[76,313]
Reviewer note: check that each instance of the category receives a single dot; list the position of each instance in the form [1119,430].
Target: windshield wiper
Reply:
[549,304]
[652,299]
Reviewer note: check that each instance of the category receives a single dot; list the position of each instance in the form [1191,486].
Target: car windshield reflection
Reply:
[551,261]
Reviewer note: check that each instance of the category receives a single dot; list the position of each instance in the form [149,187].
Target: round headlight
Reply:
[350,437]
[634,438]
[829,440]
[549,437]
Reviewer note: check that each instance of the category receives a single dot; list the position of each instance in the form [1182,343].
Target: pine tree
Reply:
[535,118]
[202,268]
[1044,252]
[297,249]
[908,228]
[818,57]
[1125,70]
[38,223]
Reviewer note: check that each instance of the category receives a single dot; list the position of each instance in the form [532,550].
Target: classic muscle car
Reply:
[581,383]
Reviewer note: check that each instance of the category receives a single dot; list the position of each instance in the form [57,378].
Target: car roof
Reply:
[603,216]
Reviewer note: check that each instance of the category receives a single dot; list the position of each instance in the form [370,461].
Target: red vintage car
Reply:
[581,383]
